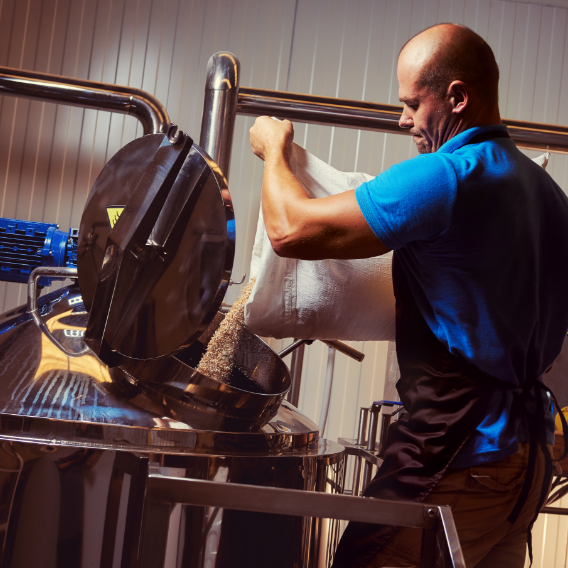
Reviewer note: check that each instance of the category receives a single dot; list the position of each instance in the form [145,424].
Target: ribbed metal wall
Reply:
[50,155]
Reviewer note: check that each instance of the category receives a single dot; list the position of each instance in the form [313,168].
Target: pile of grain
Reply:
[217,362]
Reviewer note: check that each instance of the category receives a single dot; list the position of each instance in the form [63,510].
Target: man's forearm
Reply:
[282,199]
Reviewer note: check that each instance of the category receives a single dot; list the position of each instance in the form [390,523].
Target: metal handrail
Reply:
[365,115]
[33,294]
[87,94]
[436,520]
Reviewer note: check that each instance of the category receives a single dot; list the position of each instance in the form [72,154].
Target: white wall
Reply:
[50,155]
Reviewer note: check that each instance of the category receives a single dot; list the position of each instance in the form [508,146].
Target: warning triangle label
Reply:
[113,214]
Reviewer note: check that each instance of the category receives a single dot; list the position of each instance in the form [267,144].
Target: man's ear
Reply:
[458,96]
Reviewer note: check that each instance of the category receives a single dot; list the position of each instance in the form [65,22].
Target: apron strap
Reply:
[537,435]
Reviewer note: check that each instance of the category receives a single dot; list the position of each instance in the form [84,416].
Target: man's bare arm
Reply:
[300,227]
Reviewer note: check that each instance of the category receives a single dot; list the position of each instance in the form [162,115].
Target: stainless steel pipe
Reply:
[87,94]
[361,440]
[375,411]
[220,108]
[296,367]
[365,115]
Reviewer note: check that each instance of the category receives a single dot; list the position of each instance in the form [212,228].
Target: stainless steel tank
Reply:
[78,438]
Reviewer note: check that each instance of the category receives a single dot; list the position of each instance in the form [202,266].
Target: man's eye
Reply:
[413,107]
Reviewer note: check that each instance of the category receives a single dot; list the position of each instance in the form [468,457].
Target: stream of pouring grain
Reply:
[217,362]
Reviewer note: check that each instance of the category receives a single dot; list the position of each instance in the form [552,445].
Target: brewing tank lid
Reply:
[156,248]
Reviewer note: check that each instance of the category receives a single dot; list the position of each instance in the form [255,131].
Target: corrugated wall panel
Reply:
[50,155]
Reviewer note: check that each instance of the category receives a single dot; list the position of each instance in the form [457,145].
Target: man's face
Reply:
[425,114]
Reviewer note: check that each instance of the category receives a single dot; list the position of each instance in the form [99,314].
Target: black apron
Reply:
[446,398]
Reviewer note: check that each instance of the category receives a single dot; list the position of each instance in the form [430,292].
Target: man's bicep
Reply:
[411,201]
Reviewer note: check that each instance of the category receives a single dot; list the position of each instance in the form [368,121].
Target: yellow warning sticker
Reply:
[113,213]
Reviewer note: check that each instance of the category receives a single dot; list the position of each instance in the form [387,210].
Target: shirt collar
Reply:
[464,137]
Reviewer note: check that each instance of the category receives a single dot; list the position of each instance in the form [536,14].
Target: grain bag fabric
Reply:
[322,299]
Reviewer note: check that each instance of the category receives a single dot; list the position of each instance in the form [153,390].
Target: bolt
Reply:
[431,513]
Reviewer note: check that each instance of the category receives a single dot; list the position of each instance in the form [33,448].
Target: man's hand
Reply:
[269,136]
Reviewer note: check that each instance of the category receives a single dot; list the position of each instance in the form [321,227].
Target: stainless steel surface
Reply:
[33,293]
[296,368]
[220,108]
[88,94]
[175,276]
[375,116]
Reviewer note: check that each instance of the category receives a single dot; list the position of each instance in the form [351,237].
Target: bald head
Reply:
[445,53]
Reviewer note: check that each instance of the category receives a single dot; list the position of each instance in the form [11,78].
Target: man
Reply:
[480,235]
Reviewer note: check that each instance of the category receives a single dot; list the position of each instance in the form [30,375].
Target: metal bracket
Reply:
[233,283]
[33,290]
[357,451]
[337,345]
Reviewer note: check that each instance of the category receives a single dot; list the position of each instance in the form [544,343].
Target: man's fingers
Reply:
[268,135]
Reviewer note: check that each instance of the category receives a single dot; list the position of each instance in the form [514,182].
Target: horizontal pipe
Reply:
[554,510]
[290,502]
[87,94]
[365,115]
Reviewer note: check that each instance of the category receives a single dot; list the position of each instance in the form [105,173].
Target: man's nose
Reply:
[405,121]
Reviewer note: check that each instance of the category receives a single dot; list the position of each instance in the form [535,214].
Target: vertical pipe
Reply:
[361,435]
[363,423]
[220,108]
[296,374]
[372,441]
[327,390]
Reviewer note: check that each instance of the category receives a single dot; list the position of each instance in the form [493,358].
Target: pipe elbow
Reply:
[149,111]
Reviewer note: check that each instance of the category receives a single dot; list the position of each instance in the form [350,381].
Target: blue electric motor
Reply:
[26,245]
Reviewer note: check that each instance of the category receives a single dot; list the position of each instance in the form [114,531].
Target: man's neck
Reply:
[471,120]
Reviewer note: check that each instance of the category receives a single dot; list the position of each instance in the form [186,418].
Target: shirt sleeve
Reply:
[411,201]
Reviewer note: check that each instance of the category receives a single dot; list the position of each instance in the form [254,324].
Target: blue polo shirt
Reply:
[481,232]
